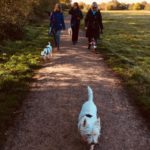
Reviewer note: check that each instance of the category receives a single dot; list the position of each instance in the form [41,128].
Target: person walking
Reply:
[93,24]
[57,24]
[76,16]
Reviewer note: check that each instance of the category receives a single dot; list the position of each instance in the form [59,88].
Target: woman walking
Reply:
[57,24]
[76,16]
[93,24]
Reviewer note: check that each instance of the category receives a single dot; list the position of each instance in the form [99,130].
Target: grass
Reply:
[18,59]
[126,47]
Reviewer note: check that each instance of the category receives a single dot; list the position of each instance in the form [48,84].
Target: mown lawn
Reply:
[18,59]
[126,47]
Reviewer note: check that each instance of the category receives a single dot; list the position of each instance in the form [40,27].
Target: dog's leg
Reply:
[49,56]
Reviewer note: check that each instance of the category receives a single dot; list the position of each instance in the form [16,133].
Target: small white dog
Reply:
[93,44]
[47,52]
[70,31]
[88,123]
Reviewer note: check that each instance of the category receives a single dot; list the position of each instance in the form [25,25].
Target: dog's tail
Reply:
[90,94]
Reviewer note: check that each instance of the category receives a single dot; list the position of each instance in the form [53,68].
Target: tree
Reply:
[65,1]
[82,5]
[143,4]
[103,6]
[15,14]
[137,6]
[113,5]
[147,7]
[130,7]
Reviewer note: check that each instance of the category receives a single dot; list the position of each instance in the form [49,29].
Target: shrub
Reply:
[137,6]
[15,14]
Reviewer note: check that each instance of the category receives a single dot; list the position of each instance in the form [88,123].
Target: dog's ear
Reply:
[84,123]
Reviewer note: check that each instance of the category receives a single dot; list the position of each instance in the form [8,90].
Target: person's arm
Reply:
[63,23]
[71,11]
[51,19]
[48,12]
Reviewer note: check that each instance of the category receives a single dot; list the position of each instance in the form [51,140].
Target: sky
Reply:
[100,1]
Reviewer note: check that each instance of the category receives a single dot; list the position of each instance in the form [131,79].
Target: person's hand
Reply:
[85,28]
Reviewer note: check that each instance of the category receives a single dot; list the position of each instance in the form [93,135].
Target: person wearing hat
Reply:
[93,24]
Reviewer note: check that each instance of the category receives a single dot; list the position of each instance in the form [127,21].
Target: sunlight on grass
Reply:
[126,45]
[17,61]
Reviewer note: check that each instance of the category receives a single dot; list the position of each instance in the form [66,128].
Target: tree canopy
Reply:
[14,14]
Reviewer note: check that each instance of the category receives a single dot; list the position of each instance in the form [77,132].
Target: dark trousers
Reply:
[57,38]
[75,33]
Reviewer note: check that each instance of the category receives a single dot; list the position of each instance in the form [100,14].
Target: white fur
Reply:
[93,44]
[92,147]
[47,52]
[89,128]
[70,31]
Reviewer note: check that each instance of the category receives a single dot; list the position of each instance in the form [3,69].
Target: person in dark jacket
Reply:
[57,24]
[93,24]
[76,16]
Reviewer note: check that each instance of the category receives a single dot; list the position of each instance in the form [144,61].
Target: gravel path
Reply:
[49,115]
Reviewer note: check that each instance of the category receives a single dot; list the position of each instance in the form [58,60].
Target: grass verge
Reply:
[125,45]
[18,59]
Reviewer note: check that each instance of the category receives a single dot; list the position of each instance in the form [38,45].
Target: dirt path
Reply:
[49,115]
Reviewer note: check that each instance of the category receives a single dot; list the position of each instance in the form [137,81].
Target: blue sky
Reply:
[100,1]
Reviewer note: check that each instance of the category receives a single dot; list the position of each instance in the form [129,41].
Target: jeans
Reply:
[57,38]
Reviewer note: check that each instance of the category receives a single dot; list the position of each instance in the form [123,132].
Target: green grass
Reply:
[126,45]
[18,59]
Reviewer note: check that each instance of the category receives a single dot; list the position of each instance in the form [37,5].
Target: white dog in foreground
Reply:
[47,52]
[88,123]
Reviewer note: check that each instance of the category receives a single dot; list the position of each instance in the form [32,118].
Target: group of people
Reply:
[93,23]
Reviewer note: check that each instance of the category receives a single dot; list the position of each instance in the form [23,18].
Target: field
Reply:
[126,47]
[18,59]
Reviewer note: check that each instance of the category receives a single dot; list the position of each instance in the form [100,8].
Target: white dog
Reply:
[93,44]
[70,31]
[88,123]
[47,52]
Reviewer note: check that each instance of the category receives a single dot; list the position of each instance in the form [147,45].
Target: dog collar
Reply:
[88,115]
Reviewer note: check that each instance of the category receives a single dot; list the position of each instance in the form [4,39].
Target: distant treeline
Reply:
[116,5]
[15,14]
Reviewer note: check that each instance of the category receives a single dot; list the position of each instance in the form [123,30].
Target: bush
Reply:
[115,5]
[137,6]
[15,14]
[42,6]
[65,6]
